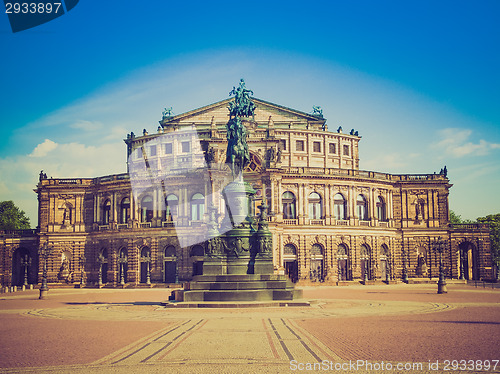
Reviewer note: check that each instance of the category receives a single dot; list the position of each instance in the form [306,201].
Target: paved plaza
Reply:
[353,329]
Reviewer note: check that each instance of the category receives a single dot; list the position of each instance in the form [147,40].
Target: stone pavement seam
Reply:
[142,341]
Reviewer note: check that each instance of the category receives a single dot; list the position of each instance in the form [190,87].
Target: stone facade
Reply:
[330,221]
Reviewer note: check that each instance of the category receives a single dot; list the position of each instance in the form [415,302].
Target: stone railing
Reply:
[18,233]
[317,221]
[363,174]
[469,226]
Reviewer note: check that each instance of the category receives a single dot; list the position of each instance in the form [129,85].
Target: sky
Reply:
[419,80]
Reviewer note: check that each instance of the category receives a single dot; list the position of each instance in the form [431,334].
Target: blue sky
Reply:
[419,80]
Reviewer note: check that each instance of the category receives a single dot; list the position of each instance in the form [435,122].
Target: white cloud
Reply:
[86,125]
[455,143]
[67,160]
[44,148]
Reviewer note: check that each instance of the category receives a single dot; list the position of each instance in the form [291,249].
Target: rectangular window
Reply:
[152,150]
[316,147]
[331,148]
[138,152]
[168,148]
[185,147]
[299,145]
[346,150]
[283,145]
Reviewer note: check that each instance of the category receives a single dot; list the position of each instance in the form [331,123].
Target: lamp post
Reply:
[100,260]
[122,260]
[26,263]
[82,267]
[44,253]
[147,260]
[439,246]
[405,270]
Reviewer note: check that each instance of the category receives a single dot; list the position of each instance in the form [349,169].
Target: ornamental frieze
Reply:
[417,192]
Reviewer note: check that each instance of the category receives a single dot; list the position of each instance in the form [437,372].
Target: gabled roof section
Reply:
[219,113]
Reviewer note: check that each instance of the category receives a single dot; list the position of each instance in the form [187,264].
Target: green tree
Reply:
[12,218]
[457,218]
[494,221]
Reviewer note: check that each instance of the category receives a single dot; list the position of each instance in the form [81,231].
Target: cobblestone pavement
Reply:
[355,329]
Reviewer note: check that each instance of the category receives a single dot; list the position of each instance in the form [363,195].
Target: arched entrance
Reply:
[290,262]
[21,265]
[316,269]
[343,263]
[365,262]
[197,255]
[170,265]
[469,264]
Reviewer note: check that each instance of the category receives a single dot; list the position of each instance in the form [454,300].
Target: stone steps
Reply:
[240,287]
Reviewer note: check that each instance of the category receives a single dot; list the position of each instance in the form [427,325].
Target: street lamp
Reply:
[147,260]
[82,266]
[405,270]
[439,246]
[122,260]
[44,253]
[26,263]
[100,260]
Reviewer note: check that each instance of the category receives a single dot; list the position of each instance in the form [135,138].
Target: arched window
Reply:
[170,251]
[289,249]
[125,210]
[106,212]
[147,209]
[197,207]
[342,251]
[315,209]
[171,203]
[381,211]
[317,249]
[340,206]
[288,200]
[362,206]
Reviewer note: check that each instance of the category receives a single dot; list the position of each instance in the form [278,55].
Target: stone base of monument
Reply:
[237,266]
[239,290]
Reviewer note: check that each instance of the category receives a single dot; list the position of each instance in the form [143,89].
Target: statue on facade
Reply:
[317,111]
[444,171]
[42,176]
[167,112]
[237,154]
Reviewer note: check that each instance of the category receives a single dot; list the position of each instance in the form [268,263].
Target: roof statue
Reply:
[317,111]
[167,112]
[237,154]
